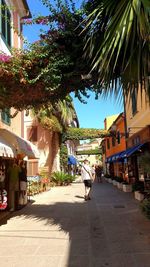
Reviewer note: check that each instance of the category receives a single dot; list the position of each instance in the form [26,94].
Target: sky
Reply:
[92,114]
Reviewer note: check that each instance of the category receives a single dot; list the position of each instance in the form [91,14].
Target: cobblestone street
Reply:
[59,229]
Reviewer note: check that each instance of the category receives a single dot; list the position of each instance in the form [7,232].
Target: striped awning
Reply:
[19,144]
[6,150]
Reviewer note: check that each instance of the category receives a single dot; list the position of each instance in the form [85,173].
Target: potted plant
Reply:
[145,207]
[115,180]
[138,189]
[119,182]
[108,178]
[127,187]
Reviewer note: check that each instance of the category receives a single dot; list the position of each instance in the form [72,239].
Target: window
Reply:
[5,23]
[108,144]
[32,134]
[5,116]
[113,141]
[134,102]
[118,137]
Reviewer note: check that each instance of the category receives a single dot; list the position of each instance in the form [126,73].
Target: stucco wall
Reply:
[15,125]
[47,144]
[118,147]
[141,118]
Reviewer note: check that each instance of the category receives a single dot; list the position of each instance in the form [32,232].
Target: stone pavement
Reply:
[59,229]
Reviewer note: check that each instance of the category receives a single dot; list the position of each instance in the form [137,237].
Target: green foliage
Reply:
[107,175]
[145,207]
[61,178]
[138,186]
[44,174]
[145,161]
[118,43]
[83,133]
[115,37]
[50,68]
[95,151]
[63,157]
[57,116]
[118,179]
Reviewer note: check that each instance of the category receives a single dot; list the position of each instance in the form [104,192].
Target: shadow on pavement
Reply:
[79,196]
[108,231]
[69,218]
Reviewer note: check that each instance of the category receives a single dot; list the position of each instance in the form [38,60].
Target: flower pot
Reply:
[120,186]
[127,188]
[138,195]
[114,182]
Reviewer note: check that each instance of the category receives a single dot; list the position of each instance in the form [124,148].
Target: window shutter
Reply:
[5,23]
[5,116]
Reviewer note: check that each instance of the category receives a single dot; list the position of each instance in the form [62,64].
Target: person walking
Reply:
[98,173]
[86,176]
[93,172]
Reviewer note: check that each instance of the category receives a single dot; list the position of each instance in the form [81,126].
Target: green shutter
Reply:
[5,23]
[5,116]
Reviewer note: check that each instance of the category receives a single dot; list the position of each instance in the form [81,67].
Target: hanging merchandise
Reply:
[3,199]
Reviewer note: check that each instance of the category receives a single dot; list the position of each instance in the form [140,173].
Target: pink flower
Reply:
[26,21]
[4,57]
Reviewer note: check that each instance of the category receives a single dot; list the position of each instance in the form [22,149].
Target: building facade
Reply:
[138,126]
[115,144]
[12,145]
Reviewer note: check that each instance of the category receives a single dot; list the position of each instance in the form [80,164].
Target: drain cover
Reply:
[119,206]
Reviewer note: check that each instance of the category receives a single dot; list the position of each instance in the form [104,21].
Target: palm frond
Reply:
[119,44]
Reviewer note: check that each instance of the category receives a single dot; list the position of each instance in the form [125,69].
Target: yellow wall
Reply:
[142,116]
[109,121]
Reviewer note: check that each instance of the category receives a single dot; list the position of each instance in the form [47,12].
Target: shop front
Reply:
[139,161]
[6,156]
[125,163]
[116,165]
[13,185]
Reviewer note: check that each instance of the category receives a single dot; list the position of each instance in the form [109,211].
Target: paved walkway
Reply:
[60,229]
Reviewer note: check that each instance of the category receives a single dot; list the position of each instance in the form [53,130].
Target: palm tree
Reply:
[57,116]
[65,111]
[118,35]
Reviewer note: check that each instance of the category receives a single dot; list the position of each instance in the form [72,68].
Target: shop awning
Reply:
[72,160]
[131,150]
[19,144]
[6,150]
[124,154]
[117,156]
[109,159]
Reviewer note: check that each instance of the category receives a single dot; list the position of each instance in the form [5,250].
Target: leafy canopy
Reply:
[118,43]
[101,47]
[84,133]
[50,68]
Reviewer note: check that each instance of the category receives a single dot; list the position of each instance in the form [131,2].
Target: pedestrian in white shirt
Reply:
[86,175]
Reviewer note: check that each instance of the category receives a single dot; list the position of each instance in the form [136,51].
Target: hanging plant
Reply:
[84,133]
[96,151]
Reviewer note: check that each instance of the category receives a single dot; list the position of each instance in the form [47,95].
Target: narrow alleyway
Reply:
[60,229]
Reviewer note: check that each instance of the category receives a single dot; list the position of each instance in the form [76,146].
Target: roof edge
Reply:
[29,15]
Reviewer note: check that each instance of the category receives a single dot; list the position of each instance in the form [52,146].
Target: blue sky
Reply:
[92,114]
